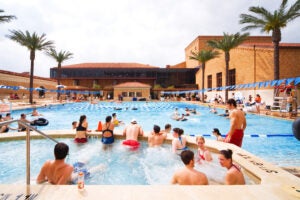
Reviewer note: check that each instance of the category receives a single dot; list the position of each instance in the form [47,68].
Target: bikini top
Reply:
[183,148]
[80,128]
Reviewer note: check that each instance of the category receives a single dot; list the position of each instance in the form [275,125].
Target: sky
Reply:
[153,32]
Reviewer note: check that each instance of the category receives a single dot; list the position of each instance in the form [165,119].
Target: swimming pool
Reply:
[113,166]
[283,150]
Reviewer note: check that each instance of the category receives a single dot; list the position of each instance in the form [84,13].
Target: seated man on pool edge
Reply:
[56,171]
[188,175]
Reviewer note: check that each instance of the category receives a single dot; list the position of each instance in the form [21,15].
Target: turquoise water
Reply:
[115,166]
[281,150]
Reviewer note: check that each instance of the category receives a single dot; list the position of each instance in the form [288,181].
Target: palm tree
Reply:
[33,42]
[228,42]
[60,57]
[204,56]
[6,18]
[274,22]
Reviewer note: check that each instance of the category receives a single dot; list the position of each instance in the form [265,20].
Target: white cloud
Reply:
[144,31]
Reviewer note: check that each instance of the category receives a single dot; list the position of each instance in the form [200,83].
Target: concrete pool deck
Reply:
[272,182]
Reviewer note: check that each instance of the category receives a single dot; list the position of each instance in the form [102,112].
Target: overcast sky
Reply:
[153,32]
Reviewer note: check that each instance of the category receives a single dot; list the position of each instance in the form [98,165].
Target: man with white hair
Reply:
[132,131]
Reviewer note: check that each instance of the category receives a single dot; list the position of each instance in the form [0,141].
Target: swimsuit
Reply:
[80,140]
[237,137]
[183,148]
[131,143]
[201,156]
[233,165]
[108,140]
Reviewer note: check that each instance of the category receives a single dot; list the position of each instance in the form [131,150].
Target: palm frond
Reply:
[6,18]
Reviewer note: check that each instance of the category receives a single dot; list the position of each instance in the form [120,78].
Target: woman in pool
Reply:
[108,131]
[179,141]
[218,135]
[81,130]
[234,176]
[203,153]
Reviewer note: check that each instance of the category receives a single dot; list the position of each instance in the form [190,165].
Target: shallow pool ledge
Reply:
[272,181]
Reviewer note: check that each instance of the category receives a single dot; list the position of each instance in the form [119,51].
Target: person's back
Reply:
[156,138]
[132,131]
[56,171]
[234,176]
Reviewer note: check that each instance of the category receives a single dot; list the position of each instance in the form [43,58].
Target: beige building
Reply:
[132,91]
[20,81]
[250,62]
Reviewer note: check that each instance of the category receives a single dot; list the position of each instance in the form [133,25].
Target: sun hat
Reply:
[133,121]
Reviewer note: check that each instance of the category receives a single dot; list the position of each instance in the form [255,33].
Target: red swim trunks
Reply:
[237,137]
[80,140]
[131,143]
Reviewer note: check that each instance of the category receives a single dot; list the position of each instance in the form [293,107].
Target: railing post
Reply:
[28,156]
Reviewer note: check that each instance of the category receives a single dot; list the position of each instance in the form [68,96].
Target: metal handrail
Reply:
[28,128]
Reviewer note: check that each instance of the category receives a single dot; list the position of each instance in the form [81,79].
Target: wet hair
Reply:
[231,102]
[7,114]
[81,119]
[216,131]
[22,115]
[186,156]
[114,114]
[61,151]
[0,116]
[156,129]
[74,122]
[178,130]
[200,138]
[108,119]
[167,126]
[227,153]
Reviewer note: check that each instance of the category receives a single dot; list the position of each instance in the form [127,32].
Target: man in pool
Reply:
[132,131]
[188,175]
[156,138]
[234,176]
[237,124]
[56,172]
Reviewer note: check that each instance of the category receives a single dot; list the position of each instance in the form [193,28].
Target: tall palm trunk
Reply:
[227,59]
[32,57]
[203,72]
[276,38]
[58,79]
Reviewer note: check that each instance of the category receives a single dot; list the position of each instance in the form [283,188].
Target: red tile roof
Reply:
[132,85]
[109,65]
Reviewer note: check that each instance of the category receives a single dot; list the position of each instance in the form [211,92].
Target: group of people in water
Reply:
[59,172]
[188,175]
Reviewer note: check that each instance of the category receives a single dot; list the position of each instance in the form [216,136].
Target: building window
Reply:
[219,80]
[232,77]
[138,94]
[76,82]
[209,81]
[131,94]
[124,94]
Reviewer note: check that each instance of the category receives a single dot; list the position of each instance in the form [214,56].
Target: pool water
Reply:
[283,149]
[113,166]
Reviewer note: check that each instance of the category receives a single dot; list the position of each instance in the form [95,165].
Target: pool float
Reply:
[80,167]
[40,122]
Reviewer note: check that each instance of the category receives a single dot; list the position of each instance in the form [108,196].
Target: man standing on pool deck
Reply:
[132,131]
[237,124]
[188,175]
[57,172]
